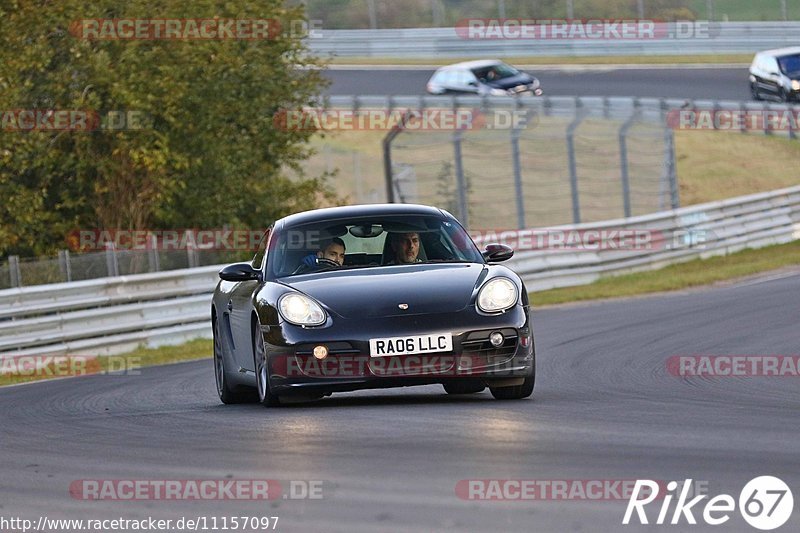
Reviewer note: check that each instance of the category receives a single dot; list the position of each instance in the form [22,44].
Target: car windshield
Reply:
[495,72]
[369,243]
[790,64]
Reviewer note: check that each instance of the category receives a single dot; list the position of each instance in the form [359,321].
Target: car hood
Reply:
[511,81]
[378,291]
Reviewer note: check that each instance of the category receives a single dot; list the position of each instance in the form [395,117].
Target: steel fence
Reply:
[70,266]
[571,160]
[561,160]
[437,43]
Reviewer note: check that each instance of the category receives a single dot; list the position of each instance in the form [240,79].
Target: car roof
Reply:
[334,213]
[778,52]
[480,63]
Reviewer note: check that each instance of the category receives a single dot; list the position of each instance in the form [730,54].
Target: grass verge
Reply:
[714,165]
[13,371]
[676,277]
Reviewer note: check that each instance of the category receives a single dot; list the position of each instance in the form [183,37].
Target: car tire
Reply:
[265,397]
[516,392]
[464,387]
[754,91]
[226,393]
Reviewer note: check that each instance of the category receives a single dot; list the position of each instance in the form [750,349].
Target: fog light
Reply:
[320,352]
[496,339]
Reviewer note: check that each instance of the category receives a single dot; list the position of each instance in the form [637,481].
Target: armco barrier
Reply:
[438,43]
[114,315]
[721,227]
[107,315]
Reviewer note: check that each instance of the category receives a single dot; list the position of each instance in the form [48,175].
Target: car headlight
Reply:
[498,294]
[498,92]
[301,310]
[796,85]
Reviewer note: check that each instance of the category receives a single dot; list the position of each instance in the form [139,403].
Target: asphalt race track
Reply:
[697,83]
[604,408]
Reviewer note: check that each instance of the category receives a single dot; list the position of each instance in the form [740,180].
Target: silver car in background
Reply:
[775,75]
[486,77]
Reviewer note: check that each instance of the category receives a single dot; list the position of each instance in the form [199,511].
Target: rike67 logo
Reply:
[765,503]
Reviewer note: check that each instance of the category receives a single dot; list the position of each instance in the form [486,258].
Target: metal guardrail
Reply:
[652,110]
[437,43]
[114,315]
[700,231]
[607,107]
[108,315]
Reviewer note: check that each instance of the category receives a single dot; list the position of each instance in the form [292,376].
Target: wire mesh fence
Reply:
[578,159]
[559,161]
[68,267]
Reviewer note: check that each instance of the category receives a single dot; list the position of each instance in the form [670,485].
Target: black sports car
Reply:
[370,296]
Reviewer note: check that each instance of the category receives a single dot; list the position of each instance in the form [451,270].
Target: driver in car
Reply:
[331,253]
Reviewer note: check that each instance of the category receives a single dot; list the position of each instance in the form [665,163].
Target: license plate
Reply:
[411,345]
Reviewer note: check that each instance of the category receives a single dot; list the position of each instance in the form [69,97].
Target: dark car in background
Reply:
[485,77]
[448,315]
[775,75]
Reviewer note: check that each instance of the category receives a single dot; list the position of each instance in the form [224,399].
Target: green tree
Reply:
[208,152]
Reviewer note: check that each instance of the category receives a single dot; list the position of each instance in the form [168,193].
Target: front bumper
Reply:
[349,365]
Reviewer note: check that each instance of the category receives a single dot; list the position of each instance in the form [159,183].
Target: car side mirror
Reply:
[239,272]
[495,253]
